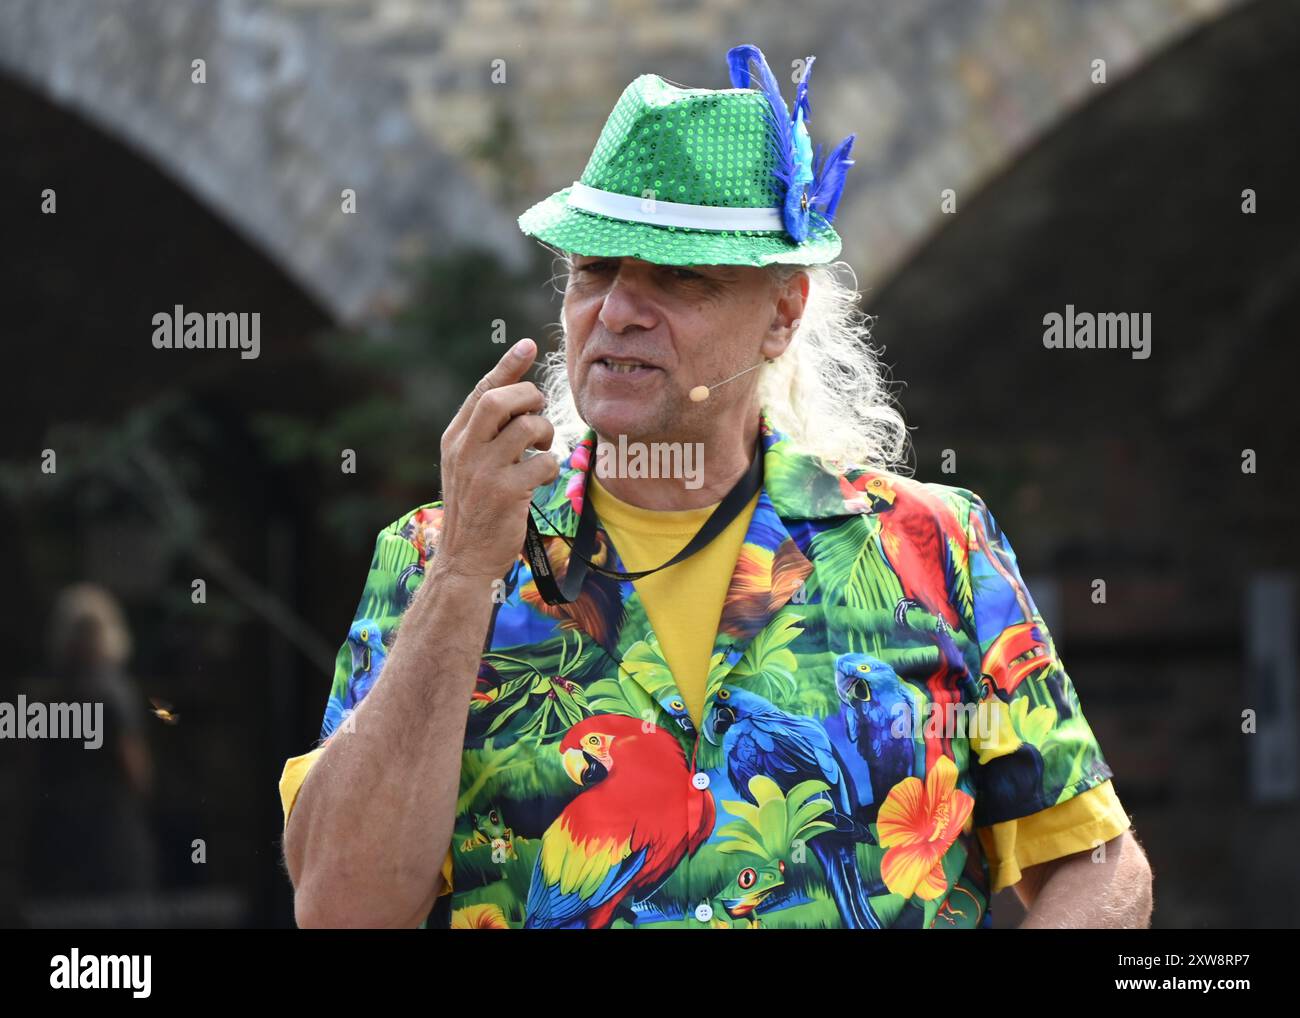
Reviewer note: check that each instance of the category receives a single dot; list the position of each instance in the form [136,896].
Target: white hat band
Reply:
[658,212]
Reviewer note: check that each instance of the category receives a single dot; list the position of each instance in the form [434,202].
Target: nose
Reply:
[625,303]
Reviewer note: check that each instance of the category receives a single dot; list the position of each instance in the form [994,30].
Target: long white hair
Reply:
[827,392]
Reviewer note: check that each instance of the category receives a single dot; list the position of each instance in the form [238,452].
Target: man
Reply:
[791,688]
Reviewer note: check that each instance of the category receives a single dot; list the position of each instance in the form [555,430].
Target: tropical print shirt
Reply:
[881,685]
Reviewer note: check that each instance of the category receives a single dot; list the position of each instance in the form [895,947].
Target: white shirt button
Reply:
[704,913]
[700,780]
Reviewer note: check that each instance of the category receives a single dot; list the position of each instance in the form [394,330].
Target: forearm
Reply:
[367,836]
[1081,893]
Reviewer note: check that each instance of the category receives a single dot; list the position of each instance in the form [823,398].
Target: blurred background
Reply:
[448,119]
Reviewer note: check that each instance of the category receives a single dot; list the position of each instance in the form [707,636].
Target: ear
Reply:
[777,341]
[791,302]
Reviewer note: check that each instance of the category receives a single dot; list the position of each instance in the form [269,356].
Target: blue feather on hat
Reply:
[812,187]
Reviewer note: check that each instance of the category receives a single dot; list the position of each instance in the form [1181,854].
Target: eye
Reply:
[681,273]
[593,740]
[365,635]
[493,817]
[597,266]
[747,879]
[864,667]
[678,705]
[724,694]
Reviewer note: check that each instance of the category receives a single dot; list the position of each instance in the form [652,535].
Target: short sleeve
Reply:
[397,566]
[1031,746]
[1076,825]
[292,777]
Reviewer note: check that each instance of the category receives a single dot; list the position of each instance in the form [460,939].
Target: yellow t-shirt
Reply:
[684,601]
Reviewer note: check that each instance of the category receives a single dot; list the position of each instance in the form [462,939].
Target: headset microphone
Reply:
[701,392]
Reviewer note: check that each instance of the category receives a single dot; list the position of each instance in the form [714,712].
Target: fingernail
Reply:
[523,348]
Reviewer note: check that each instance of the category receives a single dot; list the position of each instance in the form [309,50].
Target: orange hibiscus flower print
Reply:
[916,825]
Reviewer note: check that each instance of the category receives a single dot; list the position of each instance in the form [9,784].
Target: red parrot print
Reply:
[637,816]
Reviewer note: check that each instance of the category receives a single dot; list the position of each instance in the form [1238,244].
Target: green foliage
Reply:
[768,829]
[851,570]
[545,694]
[768,665]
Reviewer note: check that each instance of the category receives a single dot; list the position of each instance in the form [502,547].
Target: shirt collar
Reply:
[799,486]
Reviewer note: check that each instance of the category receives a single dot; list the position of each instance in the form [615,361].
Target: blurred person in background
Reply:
[89,831]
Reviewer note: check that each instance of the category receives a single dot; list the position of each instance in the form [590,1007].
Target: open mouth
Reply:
[623,368]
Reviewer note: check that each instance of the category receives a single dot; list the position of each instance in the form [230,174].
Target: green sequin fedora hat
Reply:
[697,176]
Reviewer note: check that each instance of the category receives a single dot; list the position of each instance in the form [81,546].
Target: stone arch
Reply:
[292,113]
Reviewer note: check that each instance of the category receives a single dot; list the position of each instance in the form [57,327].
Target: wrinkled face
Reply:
[640,336]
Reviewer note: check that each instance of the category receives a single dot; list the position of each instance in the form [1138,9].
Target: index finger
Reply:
[512,367]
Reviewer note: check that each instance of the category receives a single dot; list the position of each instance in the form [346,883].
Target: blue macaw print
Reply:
[880,711]
[759,738]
